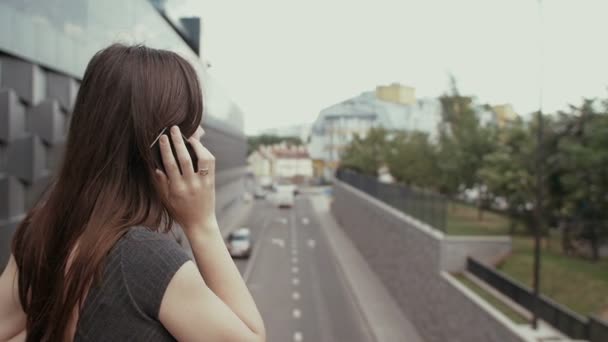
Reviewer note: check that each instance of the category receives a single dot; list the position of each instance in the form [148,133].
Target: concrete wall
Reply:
[35,107]
[410,258]
[456,249]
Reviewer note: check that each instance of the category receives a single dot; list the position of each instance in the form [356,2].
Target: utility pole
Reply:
[539,176]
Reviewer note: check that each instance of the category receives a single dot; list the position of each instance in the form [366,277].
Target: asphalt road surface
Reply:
[295,280]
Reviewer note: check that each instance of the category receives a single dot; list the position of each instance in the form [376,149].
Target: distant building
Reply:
[301,131]
[292,163]
[396,93]
[393,107]
[282,162]
[504,114]
[260,163]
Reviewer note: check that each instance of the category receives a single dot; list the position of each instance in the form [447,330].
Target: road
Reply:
[295,280]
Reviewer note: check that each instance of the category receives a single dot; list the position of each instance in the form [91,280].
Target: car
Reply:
[247,197]
[284,197]
[239,243]
[259,193]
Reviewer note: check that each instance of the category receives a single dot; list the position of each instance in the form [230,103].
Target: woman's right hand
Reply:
[191,195]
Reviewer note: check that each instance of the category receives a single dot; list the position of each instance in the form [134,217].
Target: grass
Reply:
[463,219]
[577,283]
[492,300]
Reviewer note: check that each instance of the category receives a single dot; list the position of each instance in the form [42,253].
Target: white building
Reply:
[336,125]
[292,163]
[281,162]
[260,164]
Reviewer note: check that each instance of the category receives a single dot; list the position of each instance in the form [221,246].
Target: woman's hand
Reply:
[191,194]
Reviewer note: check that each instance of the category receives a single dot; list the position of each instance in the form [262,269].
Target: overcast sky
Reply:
[283,61]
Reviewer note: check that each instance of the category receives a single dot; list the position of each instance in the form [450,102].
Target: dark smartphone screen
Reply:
[159,160]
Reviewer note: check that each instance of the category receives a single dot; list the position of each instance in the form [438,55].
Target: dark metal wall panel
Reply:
[7,228]
[12,118]
[230,150]
[12,198]
[25,78]
[61,88]
[47,121]
[26,159]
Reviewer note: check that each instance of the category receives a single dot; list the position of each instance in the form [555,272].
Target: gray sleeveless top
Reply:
[124,306]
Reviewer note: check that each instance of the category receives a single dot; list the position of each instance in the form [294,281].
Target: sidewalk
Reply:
[386,321]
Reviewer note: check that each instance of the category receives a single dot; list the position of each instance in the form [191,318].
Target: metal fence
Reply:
[563,319]
[425,206]
[598,330]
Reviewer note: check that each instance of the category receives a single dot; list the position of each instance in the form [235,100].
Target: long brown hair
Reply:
[105,184]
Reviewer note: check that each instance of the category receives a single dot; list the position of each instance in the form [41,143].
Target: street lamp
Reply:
[539,176]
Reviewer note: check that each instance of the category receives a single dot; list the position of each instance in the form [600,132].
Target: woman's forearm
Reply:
[222,277]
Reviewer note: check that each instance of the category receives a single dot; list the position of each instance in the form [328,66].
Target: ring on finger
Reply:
[204,171]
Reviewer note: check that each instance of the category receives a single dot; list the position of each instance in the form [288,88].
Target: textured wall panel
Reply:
[229,149]
[47,121]
[61,88]
[3,159]
[12,198]
[12,119]
[25,78]
[6,234]
[54,155]
[36,189]
[26,159]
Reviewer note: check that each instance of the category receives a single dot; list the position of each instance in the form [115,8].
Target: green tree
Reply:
[412,159]
[508,172]
[583,160]
[463,144]
[367,154]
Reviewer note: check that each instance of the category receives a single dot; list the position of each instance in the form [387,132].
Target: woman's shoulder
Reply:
[142,245]
[149,260]
[142,233]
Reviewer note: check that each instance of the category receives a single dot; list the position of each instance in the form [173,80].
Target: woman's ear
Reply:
[162,183]
[198,134]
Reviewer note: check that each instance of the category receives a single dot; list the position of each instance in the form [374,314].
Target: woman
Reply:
[89,262]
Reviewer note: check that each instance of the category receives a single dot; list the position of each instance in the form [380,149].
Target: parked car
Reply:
[239,243]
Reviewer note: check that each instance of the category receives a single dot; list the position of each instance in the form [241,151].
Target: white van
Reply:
[284,196]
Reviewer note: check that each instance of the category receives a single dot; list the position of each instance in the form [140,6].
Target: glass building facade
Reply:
[63,35]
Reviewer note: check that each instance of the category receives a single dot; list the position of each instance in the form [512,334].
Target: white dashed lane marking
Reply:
[297,337]
[295,281]
[295,295]
[296,313]
[278,242]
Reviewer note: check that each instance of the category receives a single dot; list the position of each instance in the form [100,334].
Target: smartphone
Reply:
[158,160]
